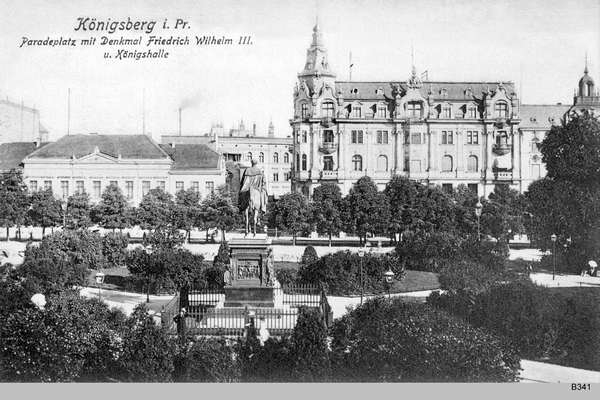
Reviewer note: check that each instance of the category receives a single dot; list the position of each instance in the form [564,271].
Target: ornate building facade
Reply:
[443,133]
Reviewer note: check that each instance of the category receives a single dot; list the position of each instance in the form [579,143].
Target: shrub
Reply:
[286,276]
[207,360]
[396,341]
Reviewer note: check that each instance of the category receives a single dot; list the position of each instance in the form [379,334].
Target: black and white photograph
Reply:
[318,191]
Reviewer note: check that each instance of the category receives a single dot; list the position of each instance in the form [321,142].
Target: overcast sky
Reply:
[542,41]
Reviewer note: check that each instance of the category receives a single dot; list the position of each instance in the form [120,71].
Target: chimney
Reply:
[173,145]
[37,143]
[254,129]
[180,122]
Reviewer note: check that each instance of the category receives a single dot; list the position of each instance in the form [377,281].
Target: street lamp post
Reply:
[553,238]
[389,278]
[361,254]
[99,281]
[478,208]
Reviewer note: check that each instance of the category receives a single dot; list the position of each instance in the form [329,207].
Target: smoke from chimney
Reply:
[179,121]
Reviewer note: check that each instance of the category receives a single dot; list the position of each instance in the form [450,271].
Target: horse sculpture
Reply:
[252,196]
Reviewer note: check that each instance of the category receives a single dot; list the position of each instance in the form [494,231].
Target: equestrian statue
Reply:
[253,195]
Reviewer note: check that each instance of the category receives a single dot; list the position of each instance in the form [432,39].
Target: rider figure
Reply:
[253,178]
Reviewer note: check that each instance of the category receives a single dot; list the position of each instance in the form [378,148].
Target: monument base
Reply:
[249,295]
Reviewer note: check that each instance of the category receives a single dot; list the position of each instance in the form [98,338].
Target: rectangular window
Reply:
[416,138]
[178,186]
[413,109]
[97,189]
[304,137]
[379,137]
[286,176]
[304,110]
[275,177]
[447,187]
[210,187]
[297,136]
[446,112]
[406,138]
[381,112]
[472,187]
[357,136]
[79,187]
[447,137]
[47,185]
[475,137]
[406,164]
[145,187]
[64,187]
[196,186]
[535,171]
[129,189]
[160,185]
[356,112]
[33,186]
[469,137]
[472,112]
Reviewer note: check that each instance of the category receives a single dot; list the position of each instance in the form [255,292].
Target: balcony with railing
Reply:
[328,147]
[326,175]
[503,175]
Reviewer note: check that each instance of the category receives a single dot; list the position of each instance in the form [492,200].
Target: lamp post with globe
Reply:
[553,238]
[99,281]
[361,254]
[389,279]
[478,208]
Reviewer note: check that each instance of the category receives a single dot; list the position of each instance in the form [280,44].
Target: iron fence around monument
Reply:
[206,316]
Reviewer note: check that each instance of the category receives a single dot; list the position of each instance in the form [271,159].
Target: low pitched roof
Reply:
[192,156]
[127,146]
[12,154]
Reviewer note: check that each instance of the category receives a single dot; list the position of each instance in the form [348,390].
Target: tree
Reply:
[186,210]
[45,210]
[367,210]
[14,200]
[309,348]
[325,209]
[79,211]
[567,201]
[145,267]
[402,195]
[164,238]
[155,210]
[218,211]
[290,213]
[113,211]
[503,211]
[114,248]
[397,341]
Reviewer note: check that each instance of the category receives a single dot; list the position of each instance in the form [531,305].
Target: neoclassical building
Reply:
[443,133]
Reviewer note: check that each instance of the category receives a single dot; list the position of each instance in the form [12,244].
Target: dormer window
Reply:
[446,112]
[356,111]
[327,109]
[472,112]
[381,111]
[501,109]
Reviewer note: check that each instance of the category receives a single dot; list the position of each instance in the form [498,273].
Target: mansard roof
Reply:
[12,154]
[192,156]
[442,91]
[126,146]
[540,116]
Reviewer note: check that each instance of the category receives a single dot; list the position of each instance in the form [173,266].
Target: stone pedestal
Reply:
[248,273]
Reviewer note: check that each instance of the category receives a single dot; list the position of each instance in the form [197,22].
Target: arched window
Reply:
[357,163]
[382,163]
[327,109]
[501,109]
[447,164]
[328,163]
[249,157]
[286,158]
[535,145]
[275,158]
[472,164]
[303,162]
[261,157]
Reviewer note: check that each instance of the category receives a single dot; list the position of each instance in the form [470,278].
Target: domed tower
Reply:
[316,71]
[586,97]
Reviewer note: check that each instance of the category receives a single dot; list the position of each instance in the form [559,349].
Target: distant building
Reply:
[442,133]
[134,162]
[239,146]
[20,124]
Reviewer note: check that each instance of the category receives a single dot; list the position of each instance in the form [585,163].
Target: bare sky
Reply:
[544,41]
